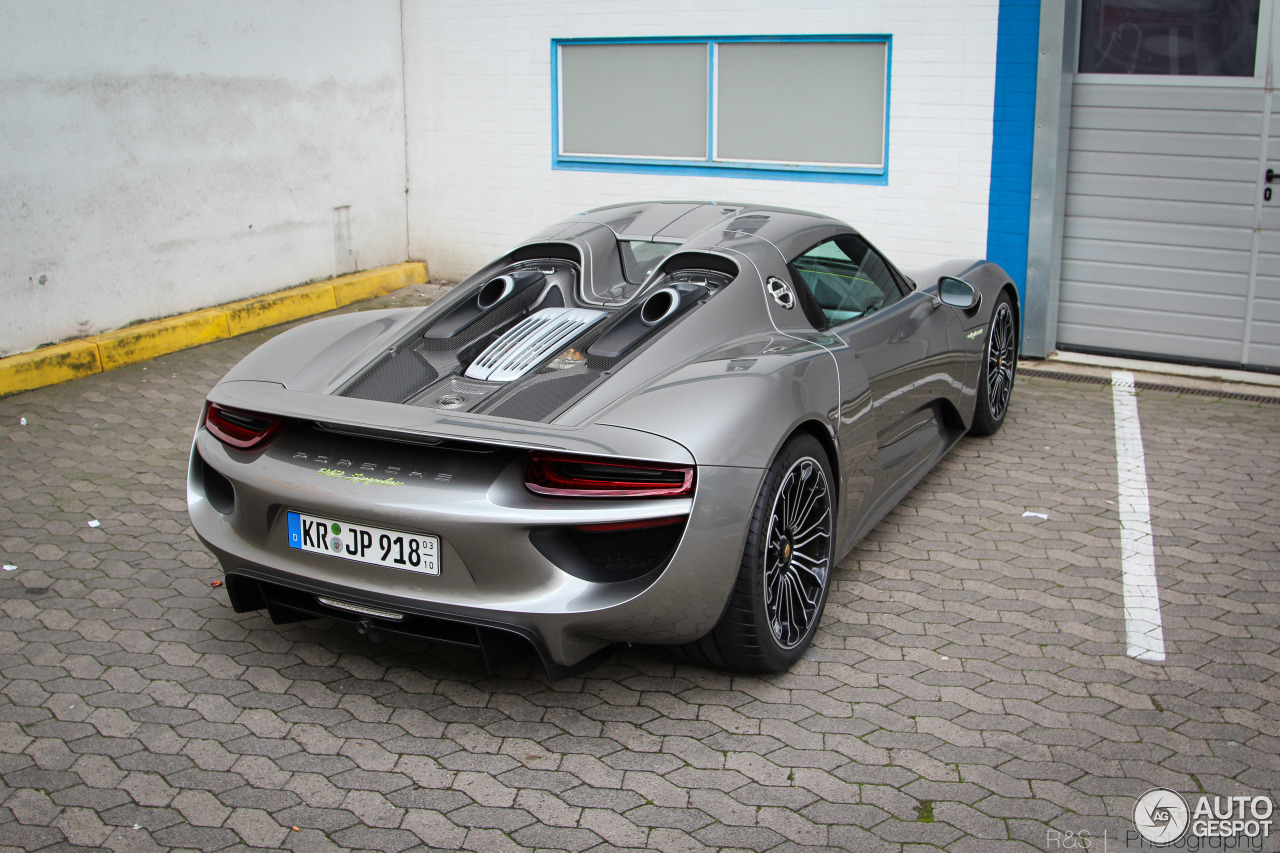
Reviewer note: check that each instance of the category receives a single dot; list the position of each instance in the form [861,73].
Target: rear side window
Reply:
[846,278]
[640,258]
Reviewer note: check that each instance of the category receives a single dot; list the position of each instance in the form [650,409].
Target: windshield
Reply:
[641,257]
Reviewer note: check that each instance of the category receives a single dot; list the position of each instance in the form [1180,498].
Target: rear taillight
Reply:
[581,477]
[241,430]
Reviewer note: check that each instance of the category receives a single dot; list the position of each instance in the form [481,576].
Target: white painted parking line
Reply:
[1137,552]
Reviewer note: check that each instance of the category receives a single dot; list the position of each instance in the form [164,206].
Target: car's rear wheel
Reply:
[999,364]
[782,584]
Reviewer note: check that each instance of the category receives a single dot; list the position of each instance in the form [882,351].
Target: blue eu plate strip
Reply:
[295,530]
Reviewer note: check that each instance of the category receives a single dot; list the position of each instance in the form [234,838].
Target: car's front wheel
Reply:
[782,584]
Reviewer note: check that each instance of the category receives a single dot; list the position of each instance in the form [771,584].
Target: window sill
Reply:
[875,177]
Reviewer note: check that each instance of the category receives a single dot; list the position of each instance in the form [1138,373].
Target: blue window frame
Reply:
[800,108]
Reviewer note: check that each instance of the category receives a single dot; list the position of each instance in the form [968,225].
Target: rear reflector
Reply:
[583,477]
[241,430]
[375,612]
[642,524]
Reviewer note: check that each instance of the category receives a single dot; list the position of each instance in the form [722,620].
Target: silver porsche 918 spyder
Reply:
[657,423]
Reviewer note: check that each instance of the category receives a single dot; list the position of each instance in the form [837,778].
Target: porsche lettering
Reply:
[366,469]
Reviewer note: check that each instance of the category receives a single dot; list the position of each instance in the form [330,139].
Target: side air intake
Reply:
[530,342]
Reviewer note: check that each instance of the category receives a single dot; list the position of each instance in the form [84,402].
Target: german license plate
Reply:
[364,544]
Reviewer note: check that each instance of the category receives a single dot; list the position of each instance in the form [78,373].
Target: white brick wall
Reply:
[478,87]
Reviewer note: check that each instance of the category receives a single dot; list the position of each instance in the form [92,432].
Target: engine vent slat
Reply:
[531,342]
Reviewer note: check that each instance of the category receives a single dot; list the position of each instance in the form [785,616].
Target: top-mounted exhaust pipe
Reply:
[657,309]
[659,306]
[494,292]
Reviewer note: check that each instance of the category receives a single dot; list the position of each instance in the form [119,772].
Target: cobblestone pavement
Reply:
[969,689]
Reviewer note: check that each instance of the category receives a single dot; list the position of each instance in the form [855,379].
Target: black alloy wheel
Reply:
[999,365]
[1001,361]
[777,601]
[798,554]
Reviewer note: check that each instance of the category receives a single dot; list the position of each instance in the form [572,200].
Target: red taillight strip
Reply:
[548,474]
[642,524]
[221,423]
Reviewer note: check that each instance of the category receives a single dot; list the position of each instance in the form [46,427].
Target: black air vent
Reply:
[217,488]
[605,555]
[544,395]
[628,553]
[394,378]
[701,262]
[559,251]
[744,225]
[706,278]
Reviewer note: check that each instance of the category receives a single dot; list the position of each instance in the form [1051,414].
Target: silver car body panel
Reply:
[720,385]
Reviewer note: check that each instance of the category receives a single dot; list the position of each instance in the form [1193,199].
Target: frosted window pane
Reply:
[801,103]
[634,100]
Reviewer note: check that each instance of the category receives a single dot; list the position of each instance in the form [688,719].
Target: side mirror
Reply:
[957,293]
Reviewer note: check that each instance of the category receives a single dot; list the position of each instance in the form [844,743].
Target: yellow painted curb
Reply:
[148,340]
[275,308]
[49,366]
[366,285]
[74,359]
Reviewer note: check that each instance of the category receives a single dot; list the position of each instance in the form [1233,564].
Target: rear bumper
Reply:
[290,599]
[495,582]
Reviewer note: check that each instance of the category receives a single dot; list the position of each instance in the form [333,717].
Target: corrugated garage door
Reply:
[1170,247]
[1162,188]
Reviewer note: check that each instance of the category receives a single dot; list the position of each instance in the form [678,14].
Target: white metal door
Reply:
[1261,347]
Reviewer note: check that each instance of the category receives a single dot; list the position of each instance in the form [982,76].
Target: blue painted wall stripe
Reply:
[1013,128]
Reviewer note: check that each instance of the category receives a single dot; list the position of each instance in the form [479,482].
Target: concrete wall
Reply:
[478,81]
[157,157]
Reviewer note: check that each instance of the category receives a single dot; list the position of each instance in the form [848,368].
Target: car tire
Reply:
[999,366]
[777,601]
